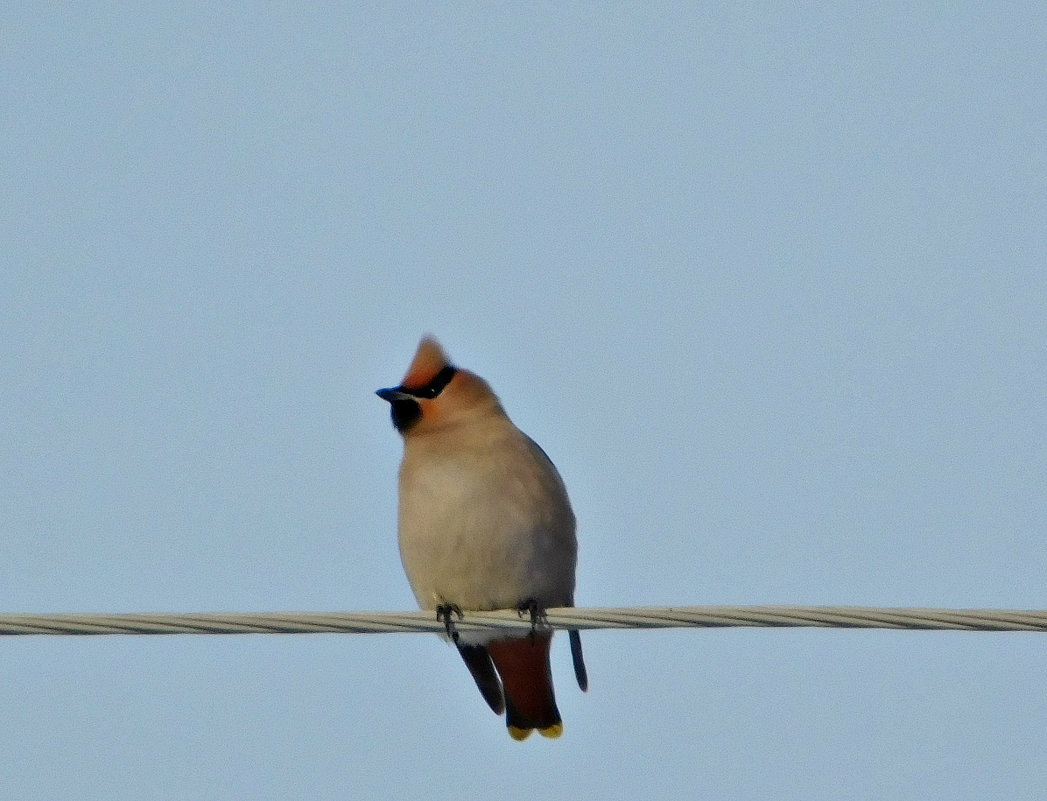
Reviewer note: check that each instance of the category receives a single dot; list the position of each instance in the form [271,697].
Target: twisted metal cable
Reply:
[639,617]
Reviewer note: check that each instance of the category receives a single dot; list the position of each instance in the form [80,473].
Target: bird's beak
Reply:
[392,394]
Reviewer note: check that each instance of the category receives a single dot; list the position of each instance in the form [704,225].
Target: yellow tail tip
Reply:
[519,734]
[553,731]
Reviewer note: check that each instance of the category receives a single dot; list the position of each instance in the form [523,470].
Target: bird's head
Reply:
[435,393]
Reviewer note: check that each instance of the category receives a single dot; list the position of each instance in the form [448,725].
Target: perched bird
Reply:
[484,523]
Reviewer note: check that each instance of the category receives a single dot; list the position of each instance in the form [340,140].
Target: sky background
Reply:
[767,281]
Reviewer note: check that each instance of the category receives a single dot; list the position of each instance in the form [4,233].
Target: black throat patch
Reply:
[405,413]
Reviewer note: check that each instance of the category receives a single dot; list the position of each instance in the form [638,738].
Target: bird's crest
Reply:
[428,360]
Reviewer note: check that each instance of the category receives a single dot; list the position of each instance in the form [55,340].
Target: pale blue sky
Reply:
[768,282]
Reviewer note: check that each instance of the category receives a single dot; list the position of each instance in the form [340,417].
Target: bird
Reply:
[484,522]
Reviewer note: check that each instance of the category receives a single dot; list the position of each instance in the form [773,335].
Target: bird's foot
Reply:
[445,613]
[537,613]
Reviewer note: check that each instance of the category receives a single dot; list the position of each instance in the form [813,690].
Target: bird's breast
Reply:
[486,529]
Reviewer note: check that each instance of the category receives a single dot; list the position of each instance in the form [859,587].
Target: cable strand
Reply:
[510,621]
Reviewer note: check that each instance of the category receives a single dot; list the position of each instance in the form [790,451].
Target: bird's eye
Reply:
[436,386]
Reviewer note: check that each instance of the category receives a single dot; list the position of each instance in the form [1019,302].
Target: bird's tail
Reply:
[527,681]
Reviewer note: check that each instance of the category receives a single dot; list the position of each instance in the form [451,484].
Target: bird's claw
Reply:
[537,613]
[445,613]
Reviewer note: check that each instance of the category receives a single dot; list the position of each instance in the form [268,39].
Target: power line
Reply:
[640,617]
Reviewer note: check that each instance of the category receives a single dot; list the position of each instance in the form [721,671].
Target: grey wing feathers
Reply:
[482,669]
[576,658]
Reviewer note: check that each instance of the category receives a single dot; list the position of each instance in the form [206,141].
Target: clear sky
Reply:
[767,281]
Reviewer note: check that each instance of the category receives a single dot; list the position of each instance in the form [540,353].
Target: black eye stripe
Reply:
[434,387]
